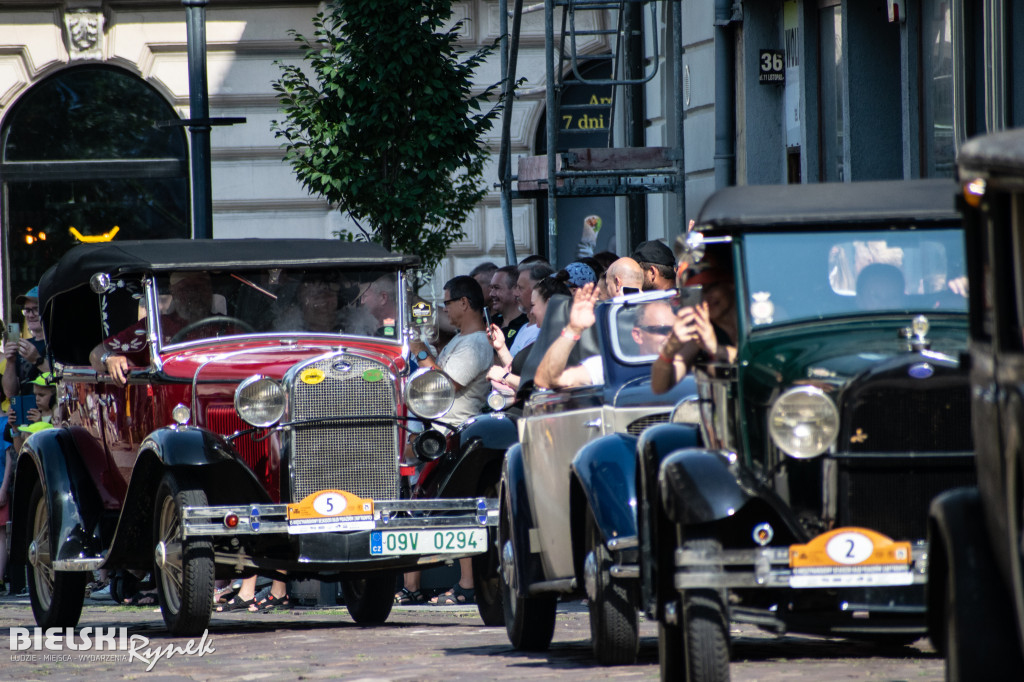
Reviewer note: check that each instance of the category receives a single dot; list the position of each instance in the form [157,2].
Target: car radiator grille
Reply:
[224,420]
[891,494]
[637,427]
[361,457]
[900,421]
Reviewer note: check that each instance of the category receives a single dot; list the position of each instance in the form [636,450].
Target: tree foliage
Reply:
[385,124]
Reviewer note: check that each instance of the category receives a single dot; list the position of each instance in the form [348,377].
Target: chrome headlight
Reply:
[804,422]
[686,411]
[429,393]
[260,401]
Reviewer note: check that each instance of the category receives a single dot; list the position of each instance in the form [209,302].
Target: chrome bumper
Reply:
[270,519]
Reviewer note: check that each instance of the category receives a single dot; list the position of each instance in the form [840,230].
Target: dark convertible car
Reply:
[800,502]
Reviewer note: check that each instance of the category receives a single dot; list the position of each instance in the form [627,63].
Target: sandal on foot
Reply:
[270,602]
[456,596]
[236,603]
[141,599]
[407,597]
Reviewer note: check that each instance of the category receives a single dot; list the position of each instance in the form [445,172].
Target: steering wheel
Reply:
[219,320]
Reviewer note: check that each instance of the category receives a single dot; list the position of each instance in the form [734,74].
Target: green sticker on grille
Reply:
[372,375]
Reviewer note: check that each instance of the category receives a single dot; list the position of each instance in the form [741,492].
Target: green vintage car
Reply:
[800,502]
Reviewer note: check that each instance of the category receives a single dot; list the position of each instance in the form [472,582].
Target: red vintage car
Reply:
[264,433]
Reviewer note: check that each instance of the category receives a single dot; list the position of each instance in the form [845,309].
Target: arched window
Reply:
[84,151]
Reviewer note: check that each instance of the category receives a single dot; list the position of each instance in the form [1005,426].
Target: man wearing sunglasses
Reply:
[653,324]
[26,358]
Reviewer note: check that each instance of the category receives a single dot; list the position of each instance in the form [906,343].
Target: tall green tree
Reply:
[381,120]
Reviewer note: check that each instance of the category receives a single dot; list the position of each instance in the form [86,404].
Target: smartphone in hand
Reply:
[22,404]
[13,331]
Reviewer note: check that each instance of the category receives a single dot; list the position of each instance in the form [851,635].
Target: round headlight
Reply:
[686,411]
[429,393]
[259,401]
[804,422]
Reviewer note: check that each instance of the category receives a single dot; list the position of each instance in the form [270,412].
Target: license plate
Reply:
[850,557]
[447,541]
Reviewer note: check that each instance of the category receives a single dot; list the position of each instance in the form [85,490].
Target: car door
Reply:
[555,426]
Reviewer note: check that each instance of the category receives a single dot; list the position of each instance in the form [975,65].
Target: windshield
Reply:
[804,276]
[640,329]
[201,305]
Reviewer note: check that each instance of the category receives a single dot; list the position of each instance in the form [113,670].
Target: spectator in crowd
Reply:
[533,259]
[483,274]
[578,274]
[624,276]
[465,359]
[25,357]
[529,275]
[704,332]
[504,307]
[504,375]
[605,258]
[658,265]
[653,323]
[191,301]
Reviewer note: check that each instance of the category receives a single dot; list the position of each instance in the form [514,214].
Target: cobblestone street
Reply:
[428,643]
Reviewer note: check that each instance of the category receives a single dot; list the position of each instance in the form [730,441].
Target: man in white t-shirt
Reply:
[465,359]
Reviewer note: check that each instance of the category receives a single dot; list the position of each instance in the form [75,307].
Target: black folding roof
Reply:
[995,154]
[752,207]
[163,255]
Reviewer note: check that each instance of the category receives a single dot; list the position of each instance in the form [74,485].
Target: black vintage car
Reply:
[268,435]
[567,498]
[976,534]
[800,502]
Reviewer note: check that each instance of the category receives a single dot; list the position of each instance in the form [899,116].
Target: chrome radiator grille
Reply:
[358,457]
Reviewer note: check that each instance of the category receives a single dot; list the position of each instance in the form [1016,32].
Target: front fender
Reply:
[473,464]
[75,507]
[204,458]
[697,486]
[605,470]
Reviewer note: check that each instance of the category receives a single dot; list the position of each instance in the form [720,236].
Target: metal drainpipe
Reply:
[725,96]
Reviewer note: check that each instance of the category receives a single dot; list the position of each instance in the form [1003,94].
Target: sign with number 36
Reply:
[773,67]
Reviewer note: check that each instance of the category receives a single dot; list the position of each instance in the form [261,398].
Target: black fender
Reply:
[527,569]
[656,532]
[74,505]
[205,458]
[698,486]
[473,461]
[960,555]
[604,480]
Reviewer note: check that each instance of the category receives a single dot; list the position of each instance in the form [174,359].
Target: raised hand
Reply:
[581,315]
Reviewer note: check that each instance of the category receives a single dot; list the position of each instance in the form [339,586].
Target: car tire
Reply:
[56,596]
[183,569]
[614,632]
[369,598]
[529,621]
[485,566]
[705,626]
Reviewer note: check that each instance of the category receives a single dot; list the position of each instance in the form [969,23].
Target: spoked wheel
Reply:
[485,568]
[56,596]
[369,598]
[529,621]
[705,628]
[183,569]
[614,634]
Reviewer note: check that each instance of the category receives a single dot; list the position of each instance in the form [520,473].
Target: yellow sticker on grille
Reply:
[312,376]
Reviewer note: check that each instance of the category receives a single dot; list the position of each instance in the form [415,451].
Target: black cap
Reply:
[655,252]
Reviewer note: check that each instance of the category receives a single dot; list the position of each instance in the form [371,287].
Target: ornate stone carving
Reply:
[84,34]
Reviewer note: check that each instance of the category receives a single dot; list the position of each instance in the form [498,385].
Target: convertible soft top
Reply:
[993,155]
[835,203]
[70,315]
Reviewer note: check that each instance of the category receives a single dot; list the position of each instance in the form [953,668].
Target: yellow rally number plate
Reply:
[850,557]
[329,511]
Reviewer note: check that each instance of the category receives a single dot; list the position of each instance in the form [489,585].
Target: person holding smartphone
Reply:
[26,357]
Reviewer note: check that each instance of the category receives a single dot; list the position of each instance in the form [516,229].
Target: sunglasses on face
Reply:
[660,329]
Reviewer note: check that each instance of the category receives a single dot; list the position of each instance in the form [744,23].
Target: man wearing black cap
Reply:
[658,263]
[26,358]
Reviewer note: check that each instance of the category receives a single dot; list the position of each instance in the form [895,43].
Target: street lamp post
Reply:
[199,119]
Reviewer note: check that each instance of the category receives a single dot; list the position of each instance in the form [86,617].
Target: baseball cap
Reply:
[656,252]
[45,379]
[32,293]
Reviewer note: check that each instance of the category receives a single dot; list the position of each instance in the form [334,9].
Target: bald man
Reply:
[625,272]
